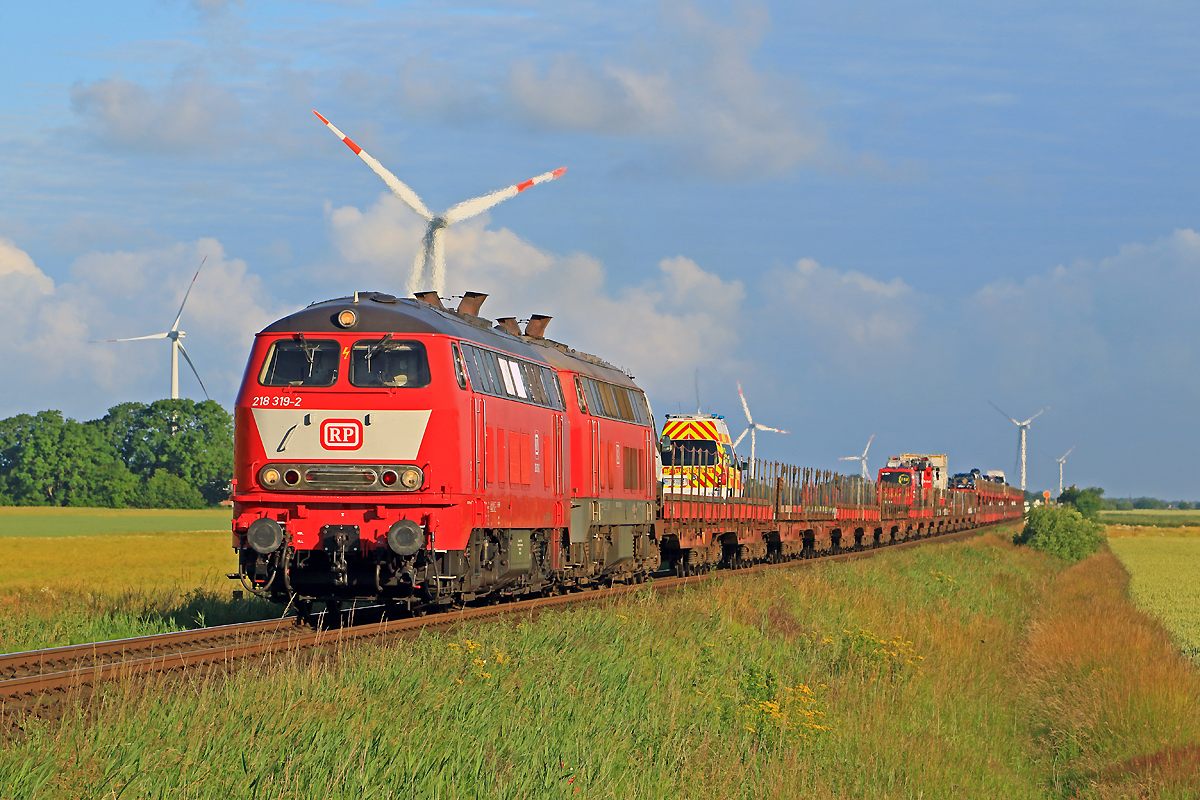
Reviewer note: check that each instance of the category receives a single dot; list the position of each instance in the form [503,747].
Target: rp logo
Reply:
[341,434]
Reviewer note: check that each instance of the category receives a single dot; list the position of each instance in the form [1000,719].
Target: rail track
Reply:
[39,679]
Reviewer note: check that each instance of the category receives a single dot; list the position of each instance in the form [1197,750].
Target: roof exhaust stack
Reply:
[508,325]
[431,298]
[471,302]
[536,327]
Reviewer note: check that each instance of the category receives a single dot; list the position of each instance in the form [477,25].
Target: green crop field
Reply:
[974,669]
[42,521]
[1163,518]
[71,575]
[1165,580]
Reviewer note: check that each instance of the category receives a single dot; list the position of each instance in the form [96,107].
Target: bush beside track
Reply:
[887,677]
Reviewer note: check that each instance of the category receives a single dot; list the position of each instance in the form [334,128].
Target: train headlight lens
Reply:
[264,535]
[388,478]
[346,318]
[270,476]
[291,477]
[411,478]
[405,537]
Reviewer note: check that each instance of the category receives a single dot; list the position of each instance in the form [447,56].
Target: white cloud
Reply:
[18,273]
[679,318]
[50,364]
[843,322]
[188,114]
[704,103]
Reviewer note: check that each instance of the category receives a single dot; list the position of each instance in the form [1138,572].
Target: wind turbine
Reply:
[752,427]
[1022,427]
[176,346]
[862,458]
[430,257]
[1062,461]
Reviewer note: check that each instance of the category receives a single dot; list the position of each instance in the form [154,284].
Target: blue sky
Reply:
[877,216]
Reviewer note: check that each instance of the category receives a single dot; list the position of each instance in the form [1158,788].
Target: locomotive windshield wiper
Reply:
[310,351]
[375,348]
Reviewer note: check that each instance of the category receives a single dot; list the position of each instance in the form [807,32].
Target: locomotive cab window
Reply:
[389,363]
[300,362]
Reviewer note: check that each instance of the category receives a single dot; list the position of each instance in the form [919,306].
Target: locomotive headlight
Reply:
[264,535]
[269,476]
[346,318]
[411,478]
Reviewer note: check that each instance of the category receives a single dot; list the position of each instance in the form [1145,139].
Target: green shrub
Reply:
[1061,531]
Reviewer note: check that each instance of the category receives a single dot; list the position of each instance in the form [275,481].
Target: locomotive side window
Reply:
[300,362]
[460,369]
[615,402]
[389,363]
[553,390]
[505,376]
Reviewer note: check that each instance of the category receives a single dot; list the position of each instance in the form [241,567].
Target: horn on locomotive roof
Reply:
[536,327]
[431,298]
[430,258]
[471,303]
[508,325]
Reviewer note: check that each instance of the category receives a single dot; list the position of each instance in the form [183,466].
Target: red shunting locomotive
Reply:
[392,449]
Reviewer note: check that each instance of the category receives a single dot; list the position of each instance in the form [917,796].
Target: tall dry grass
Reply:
[1114,707]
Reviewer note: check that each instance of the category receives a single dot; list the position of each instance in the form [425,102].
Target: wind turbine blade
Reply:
[850,458]
[469,208]
[1035,416]
[868,447]
[162,335]
[1064,456]
[765,428]
[395,184]
[1006,416]
[175,326]
[745,407]
[739,439]
[193,366]
[438,253]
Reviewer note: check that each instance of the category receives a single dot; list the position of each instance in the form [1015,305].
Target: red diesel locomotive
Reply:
[394,449]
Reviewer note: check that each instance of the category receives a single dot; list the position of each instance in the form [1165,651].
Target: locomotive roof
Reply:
[384,313]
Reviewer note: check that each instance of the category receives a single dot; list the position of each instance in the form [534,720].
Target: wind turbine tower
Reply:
[1022,427]
[176,346]
[862,458]
[1062,461]
[430,265]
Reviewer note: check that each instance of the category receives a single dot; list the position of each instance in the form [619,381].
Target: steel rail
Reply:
[32,690]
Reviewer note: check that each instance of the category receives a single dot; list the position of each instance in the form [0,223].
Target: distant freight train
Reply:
[394,450]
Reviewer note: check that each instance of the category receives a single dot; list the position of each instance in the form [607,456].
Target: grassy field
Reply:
[1165,580]
[44,522]
[63,581]
[964,670]
[1165,518]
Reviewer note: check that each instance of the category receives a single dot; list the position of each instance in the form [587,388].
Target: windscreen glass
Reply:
[899,478]
[690,453]
[389,363]
[300,362]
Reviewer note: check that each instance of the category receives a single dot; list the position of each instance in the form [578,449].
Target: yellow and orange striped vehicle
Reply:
[697,457]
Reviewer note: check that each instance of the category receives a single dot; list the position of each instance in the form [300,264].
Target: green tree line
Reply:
[168,454]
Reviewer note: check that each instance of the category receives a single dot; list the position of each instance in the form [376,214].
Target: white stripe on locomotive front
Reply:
[386,435]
